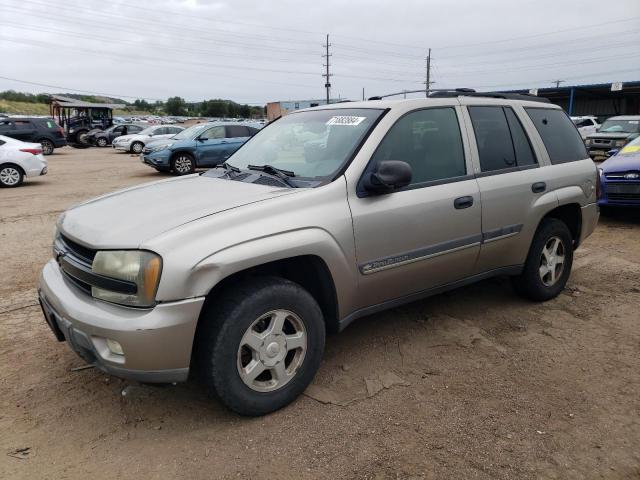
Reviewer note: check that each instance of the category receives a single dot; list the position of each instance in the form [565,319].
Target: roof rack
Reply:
[506,96]
[459,91]
[467,92]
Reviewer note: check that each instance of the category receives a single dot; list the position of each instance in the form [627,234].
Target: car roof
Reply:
[415,103]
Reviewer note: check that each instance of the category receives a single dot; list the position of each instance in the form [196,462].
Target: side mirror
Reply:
[389,175]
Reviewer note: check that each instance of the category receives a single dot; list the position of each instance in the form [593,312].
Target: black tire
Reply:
[47,146]
[81,140]
[102,142]
[11,175]
[183,163]
[225,321]
[530,283]
[136,147]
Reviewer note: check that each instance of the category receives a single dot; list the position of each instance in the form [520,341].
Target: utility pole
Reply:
[327,76]
[428,81]
[557,82]
[362,93]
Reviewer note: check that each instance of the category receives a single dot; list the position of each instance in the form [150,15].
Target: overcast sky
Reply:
[259,51]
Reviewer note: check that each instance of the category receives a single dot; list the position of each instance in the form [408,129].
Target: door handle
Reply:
[463,202]
[538,187]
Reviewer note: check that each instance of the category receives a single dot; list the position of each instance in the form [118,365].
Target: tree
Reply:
[176,106]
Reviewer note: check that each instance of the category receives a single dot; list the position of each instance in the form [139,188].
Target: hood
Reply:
[613,135]
[621,163]
[127,218]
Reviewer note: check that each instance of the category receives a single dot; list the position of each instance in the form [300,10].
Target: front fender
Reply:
[259,251]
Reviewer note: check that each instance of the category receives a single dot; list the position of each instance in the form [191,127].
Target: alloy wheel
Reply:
[271,350]
[9,176]
[183,164]
[552,261]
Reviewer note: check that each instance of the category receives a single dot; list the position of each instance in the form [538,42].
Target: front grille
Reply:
[85,287]
[602,141]
[621,175]
[84,254]
[623,191]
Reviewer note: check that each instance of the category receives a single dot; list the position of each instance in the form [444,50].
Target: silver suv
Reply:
[326,215]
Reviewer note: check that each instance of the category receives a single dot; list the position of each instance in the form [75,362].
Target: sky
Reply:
[257,51]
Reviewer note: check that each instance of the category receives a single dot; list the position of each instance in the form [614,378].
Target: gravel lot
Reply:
[475,383]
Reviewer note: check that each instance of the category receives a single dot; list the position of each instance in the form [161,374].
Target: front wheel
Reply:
[260,344]
[548,264]
[183,164]
[101,142]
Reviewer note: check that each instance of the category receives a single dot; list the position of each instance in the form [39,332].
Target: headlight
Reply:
[587,142]
[137,266]
[620,143]
[161,147]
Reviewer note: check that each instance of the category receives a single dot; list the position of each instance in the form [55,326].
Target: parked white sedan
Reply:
[18,160]
[135,143]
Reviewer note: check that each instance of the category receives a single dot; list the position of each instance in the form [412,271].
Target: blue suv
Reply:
[202,145]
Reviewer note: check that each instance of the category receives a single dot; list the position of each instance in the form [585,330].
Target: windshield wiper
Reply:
[276,172]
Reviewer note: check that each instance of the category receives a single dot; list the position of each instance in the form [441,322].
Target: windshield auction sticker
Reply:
[346,120]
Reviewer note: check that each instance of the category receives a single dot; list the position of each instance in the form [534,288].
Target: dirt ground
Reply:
[472,384]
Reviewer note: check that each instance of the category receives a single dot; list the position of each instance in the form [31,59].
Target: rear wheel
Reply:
[549,262]
[260,344]
[183,164]
[101,142]
[47,146]
[10,176]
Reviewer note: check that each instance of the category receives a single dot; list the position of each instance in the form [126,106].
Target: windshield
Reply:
[313,144]
[191,132]
[631,147]
[620,126]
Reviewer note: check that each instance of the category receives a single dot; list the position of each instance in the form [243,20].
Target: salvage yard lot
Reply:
[475,383]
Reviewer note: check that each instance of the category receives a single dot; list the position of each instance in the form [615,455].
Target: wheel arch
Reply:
[571,215]
[11,164]
[309,271]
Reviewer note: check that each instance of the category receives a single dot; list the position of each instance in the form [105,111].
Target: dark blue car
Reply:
[620,177]
[203,145]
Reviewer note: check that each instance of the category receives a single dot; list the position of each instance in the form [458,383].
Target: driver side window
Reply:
[213,133]
[429,140]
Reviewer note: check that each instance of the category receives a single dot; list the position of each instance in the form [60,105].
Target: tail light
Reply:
[34,151]
[61,131]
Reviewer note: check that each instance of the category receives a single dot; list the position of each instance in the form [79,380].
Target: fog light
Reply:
[114,347]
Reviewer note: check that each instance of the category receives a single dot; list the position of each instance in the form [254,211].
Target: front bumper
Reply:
[159,159]
[629,197]
[124,147]
[156,342]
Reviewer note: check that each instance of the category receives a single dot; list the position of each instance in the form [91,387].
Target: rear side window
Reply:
[429,140]
[502,141]
[23,125]
[493,138]
[234,131]
[134,128]
[559,135]
[521,144]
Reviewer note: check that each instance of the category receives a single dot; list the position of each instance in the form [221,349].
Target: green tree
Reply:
[176,106]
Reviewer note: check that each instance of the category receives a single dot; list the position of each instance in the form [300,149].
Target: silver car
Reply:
[135,143]
[326,215]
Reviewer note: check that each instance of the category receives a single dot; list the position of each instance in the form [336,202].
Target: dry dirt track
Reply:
[476,383]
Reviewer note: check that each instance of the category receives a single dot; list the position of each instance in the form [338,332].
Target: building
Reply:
[278,109]
[602,100]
